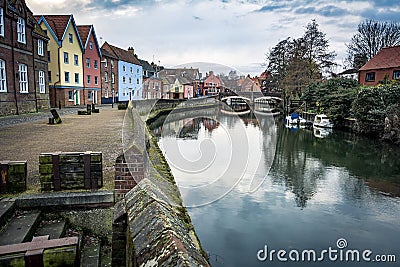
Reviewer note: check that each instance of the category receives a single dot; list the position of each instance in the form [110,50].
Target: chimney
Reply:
[130,49]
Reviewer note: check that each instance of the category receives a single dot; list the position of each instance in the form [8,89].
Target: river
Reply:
[261,194]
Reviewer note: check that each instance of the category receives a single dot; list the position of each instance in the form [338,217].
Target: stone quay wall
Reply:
[151,226]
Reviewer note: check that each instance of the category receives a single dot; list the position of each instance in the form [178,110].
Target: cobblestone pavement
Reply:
[24,137]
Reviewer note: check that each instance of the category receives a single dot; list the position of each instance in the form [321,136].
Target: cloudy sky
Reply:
[236,33]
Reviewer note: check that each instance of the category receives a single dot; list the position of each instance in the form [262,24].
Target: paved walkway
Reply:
[24,137]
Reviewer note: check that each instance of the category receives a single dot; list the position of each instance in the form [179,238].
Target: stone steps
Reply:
[90,255]
[7,208]
[55,229]
[20,228]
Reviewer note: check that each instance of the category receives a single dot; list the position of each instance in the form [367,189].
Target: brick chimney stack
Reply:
[130,49]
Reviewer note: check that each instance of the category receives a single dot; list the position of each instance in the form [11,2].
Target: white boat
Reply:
[295,121]
[322,121]
[321,132]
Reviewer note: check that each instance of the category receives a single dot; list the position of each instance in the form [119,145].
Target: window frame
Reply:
[76,60]
[370,76]
[49,76]
[40,47]
[76,78]
[396,74]
[66,58]
[42,83]
[3,76]
[96,80]
[70,93]
[70,38]
[106,76]
[88,79]
[23,78]
[95,64]
[1,21]
[66,77]
[21,31]
[88,62]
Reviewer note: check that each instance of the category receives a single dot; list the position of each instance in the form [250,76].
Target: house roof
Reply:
[84,32]
[191,74]
[58,24]
[388,57]
[121,54]
[146,65]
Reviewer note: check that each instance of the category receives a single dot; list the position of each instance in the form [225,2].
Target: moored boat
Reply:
[322,121]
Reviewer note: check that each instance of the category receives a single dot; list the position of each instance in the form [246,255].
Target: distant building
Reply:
[109,77]
[64,59]
[212,84]
[148,70]
[23,60]
[174,82]
[152,88]
[91,65]
[349,74]
[130,78]
[383,66]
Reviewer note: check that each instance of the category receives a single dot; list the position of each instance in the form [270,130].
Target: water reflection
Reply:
[316,191]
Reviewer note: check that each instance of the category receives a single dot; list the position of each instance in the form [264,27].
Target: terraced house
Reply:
[91,65]
[64,57]
[128,83]
[23,65]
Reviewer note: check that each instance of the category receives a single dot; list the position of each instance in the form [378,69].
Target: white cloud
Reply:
[232,32]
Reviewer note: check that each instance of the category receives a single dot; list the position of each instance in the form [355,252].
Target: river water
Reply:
[253,186]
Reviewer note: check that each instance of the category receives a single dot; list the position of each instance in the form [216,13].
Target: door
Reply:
[76,97]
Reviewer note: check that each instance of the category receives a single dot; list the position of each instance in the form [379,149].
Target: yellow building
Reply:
[64,55]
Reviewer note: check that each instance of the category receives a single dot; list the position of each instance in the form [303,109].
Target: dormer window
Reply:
[71,38]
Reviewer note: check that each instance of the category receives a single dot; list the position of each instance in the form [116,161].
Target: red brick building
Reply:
[383,66]
[23,63]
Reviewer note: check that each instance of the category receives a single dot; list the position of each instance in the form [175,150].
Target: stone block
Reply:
[45,169]
[13,260]
[45,158]
[64,256]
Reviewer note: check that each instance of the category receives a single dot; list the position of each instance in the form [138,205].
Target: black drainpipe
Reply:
[13,64]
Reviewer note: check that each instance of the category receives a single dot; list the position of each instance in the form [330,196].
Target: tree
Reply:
[371,37]
[295,63]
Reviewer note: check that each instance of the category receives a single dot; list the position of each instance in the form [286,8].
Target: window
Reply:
[137,81]
[96,64]
[137,71]
[106,93]
[76,77]
[1,22]
[123,68]
[112,63]
[123,79]
[91,45]
[40,47]
[66,58]
[21,30]
[3,76]
[396,74]
[105,63]
[42,88]
[106,76]
[370,76]
[87,62]
[49,76]
[76,60]
[90,95]
[70,38]
[130,79]
[71,95]
[23,78]
[88,79]
[131,70]
[96,80]
[112,78]
[48,56]
[66,77]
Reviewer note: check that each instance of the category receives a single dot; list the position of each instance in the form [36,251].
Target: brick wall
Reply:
[129,170]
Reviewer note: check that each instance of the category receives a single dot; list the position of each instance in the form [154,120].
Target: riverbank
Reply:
[24,137]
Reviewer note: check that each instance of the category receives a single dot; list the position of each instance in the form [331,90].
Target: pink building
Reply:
[188,91]
[91,65]
[212,84]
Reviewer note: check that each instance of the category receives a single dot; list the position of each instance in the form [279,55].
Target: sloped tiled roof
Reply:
[388,57]
[84,31]
[120,53]
[190,74]
[58,24]
[146,65]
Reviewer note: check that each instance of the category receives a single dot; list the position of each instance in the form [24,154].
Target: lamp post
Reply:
[112,94]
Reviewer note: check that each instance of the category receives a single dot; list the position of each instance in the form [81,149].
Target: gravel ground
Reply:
[24,137]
